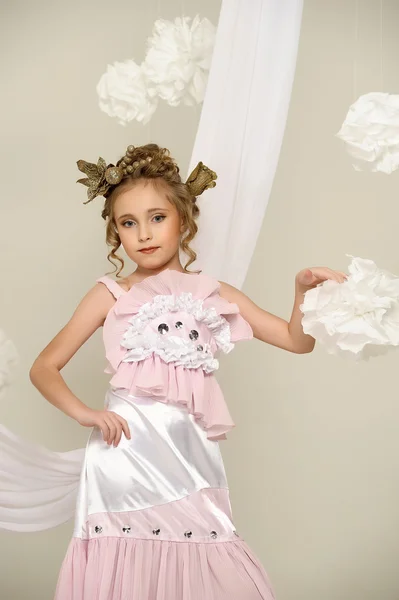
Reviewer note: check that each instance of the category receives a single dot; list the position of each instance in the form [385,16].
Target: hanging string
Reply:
[356,47]
[156,17]
[381,45]
[355,50]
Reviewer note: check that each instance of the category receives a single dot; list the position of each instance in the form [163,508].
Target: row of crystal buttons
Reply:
[193,335]
[187,534]
[164,328]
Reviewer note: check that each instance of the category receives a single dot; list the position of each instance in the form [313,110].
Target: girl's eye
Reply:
[158,219]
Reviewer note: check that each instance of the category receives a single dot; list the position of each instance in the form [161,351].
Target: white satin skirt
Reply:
[153,516]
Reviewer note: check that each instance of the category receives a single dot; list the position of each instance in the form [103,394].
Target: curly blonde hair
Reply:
[161,170]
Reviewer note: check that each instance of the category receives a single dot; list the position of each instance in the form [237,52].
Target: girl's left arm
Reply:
[272,329]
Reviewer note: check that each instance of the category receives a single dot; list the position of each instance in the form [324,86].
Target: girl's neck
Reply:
[141,273]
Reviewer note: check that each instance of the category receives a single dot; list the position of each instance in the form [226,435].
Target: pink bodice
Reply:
[161,340]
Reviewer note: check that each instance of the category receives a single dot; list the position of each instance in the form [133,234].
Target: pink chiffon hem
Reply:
[114,568]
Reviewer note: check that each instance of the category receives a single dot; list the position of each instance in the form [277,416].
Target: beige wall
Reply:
[313,464]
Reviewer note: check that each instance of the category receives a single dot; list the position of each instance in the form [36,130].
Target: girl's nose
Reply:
[144,236]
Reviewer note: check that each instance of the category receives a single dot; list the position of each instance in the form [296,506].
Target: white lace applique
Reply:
[191,353]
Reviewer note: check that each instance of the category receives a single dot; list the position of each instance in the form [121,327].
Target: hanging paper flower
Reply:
[179,58]
[123,93]
[357,318]
[8,360]
[371,132]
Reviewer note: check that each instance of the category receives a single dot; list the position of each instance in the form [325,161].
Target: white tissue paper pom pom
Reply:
[178,59]
[371,132]
[8,361]
[358,318]
[123,93]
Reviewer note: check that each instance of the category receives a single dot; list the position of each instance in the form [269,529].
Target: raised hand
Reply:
[310,278]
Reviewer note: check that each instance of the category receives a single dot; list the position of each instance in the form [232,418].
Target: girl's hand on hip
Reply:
[110,423]
[310,278]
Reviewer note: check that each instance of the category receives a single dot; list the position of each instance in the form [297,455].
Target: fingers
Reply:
[113,430]
[104,429]
[335,276]
[125,427]
[338,276]
[112,425]
[341,277]
[310,278]
[118,431]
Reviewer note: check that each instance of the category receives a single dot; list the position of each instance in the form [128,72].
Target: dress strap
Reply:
[114,287]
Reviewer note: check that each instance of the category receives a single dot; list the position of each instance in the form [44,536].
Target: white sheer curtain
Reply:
[242,126]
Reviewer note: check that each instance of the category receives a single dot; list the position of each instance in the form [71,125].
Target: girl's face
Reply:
[149,226]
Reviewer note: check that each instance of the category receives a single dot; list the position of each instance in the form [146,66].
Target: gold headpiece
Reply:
[201,179]
[102,177]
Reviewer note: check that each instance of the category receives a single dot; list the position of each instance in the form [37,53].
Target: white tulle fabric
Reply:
[371,132]
[358,318]
[142,340]
[173,349]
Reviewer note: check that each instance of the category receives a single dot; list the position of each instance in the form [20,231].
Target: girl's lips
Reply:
[149,250]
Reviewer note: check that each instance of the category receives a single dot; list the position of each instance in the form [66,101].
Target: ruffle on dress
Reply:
[161,338]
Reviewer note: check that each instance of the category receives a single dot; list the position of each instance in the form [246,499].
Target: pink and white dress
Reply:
[153,517]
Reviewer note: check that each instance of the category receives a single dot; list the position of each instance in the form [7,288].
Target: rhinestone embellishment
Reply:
[188,534]
[156,531]
[126,529]
[214,534]
[178,325]
[193,335]
[200,348]
[98,529]
[163,328]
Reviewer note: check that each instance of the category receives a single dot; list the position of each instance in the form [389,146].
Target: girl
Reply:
[153,517]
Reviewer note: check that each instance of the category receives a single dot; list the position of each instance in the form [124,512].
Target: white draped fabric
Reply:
[242,127]
[38,487]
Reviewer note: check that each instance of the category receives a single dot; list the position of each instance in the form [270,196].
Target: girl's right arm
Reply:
[45,371]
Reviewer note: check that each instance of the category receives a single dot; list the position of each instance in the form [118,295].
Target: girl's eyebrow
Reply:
[150,210]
